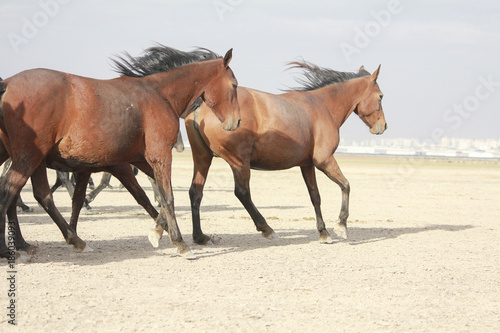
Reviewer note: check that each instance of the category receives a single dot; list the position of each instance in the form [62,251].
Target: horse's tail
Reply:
[3,87]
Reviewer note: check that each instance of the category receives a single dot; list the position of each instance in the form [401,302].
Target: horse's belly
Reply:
[76,154]
[278,161]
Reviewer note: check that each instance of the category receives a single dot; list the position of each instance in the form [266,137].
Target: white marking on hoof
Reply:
[272,236]
[328,240]
[88,249]
[340,231]
[189,255]
[210,243]
[22,258]
[154,238]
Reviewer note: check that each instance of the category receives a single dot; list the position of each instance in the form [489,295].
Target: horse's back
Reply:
[35,87]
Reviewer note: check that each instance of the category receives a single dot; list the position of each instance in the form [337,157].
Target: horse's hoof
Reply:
[271,236]
[26,209]
[22,258]
[29,249]
[205,240]
[327,240]
[341,231]
[154,238]
[85,249]
[189,255]
[88,249]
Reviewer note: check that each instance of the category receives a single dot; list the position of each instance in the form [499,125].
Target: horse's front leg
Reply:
[332,170]
[162,167]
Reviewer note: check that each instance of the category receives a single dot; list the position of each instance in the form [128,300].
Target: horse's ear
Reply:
[375,74]
[362,68]
[227,57]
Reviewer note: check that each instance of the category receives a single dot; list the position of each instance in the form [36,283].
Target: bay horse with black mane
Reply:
[84,125]
[297,128]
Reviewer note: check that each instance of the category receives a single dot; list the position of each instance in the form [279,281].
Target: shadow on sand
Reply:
[117,250]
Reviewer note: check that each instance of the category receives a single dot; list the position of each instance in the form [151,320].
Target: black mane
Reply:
[316,77]
[159,59]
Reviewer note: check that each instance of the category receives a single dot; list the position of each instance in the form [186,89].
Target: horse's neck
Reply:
[183,85]
[341,98]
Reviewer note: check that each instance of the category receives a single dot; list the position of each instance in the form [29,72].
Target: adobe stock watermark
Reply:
[460,111]
[11,308]
[222,7]
[32,24]
[372,29]
[454,117]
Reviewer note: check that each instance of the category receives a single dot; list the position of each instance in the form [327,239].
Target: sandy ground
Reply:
[423,255]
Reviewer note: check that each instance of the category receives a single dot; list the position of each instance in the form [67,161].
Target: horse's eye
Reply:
[235,86]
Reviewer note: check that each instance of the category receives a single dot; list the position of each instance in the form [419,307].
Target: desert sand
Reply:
[423,255]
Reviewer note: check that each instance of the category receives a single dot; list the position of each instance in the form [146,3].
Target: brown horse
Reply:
[85,125]
[298,128]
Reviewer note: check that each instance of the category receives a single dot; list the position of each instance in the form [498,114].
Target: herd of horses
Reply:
[50,119]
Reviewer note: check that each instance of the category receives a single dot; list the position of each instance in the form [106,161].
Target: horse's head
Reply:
[220,95]
[369,109]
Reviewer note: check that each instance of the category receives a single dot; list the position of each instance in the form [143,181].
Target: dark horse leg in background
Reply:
[106,178]
[63,179]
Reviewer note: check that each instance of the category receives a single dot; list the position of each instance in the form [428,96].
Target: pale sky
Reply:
[440,73]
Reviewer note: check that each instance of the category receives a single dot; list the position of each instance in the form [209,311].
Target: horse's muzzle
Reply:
[230,124]
[379,128]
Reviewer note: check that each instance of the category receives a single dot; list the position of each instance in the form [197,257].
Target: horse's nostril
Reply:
[385,126]
[239,123]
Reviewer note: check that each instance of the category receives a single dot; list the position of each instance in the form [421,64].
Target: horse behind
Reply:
[297,128]
[78,124]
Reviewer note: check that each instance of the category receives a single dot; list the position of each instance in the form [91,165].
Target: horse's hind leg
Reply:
[4,158]
[310,179]
[10,187]
[41,192]
[242,192]
[20,243]
[332,170]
